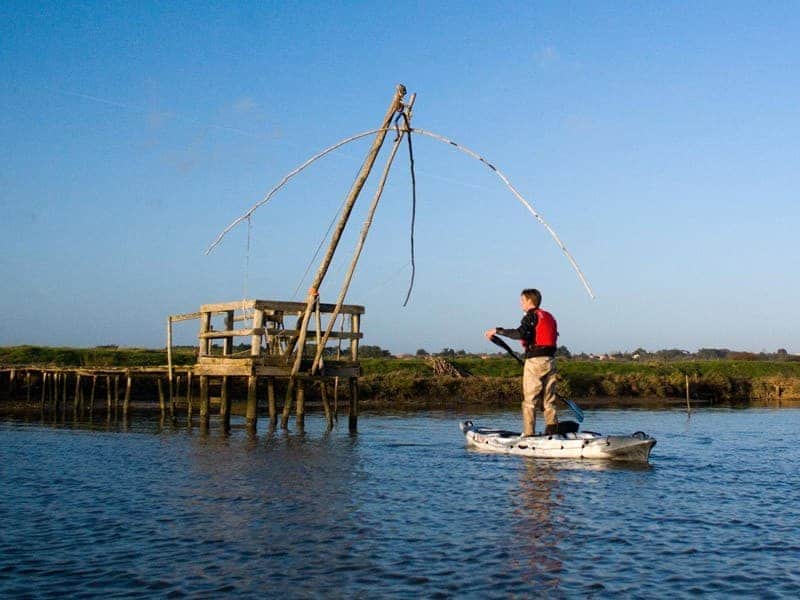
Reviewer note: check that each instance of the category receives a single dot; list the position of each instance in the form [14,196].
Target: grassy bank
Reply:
[493,380]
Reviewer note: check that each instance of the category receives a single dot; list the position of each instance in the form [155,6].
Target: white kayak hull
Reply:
[585,444]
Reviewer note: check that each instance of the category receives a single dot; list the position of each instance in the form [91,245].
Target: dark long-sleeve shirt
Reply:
[526,332]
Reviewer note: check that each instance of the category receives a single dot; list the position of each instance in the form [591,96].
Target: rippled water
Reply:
[401,509]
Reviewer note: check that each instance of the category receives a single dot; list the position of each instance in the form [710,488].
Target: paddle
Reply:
[576,410]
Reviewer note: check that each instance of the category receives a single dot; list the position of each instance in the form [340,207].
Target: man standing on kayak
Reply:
[538,332]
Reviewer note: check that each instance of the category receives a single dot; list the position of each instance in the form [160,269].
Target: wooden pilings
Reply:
[81,393]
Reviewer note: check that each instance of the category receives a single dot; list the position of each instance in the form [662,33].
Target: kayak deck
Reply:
[584,444]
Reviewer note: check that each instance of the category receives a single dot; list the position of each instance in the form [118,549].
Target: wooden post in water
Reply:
[301,404]
[323,391]
[44,389]
[126,405]
[177,388]
[64,398]
[169,364]
[189,396]
[688,406]
[28,385]
[91,396]
[116,395]
[108,394]
[204,400]
[55,391]
[273,412]
[225,403]
[251,416]
[77,399]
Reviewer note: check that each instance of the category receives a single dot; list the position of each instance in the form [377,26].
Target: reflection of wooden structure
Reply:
[270,333]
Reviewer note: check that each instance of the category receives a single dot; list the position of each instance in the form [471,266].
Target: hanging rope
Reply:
[413,199]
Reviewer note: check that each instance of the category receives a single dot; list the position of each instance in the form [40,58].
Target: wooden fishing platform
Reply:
[269,355]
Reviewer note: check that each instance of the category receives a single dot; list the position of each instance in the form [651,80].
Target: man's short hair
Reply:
[533,295]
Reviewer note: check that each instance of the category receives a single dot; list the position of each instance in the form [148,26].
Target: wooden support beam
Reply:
[296,308]
[77,399]
[323,391]
[227,344]
[252,403]
[228,334]
[126,404]
[91,396]
[204,400]
[44,389]
[257,333]
[301,404]
[184,317]
[169,362]
[355,324]
[189,396]
[205,327]
[273,413]
[108,394]
[225,404]
[287,403]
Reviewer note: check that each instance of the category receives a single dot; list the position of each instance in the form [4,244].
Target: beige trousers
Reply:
[538,391]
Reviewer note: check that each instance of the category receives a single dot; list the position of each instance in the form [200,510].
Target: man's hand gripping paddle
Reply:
[576,410]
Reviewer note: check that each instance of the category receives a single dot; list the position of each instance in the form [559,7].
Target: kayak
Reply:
[585,444]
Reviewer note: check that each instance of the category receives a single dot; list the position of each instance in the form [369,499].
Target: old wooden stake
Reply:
[688,406]
[91,396]
[204,400]
[225,404]
[301,404]
[44,389]
[323,391]
[273,413]
[126,405]
[251,416]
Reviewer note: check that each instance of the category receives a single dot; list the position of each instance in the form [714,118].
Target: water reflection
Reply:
[537,525]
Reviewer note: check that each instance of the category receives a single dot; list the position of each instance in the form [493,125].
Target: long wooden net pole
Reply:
[358,184]
[362,238]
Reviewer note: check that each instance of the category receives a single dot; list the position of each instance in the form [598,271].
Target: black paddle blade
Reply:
[496,340]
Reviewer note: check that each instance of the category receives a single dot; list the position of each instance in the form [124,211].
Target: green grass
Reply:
[93,357]
[411,378]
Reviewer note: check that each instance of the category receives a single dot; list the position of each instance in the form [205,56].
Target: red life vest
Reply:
[546,332]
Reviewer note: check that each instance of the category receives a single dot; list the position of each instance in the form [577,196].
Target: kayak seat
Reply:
[565,427]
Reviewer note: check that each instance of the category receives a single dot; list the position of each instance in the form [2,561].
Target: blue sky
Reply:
[660,140]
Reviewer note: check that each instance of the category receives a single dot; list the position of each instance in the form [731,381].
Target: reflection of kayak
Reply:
[584,444]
